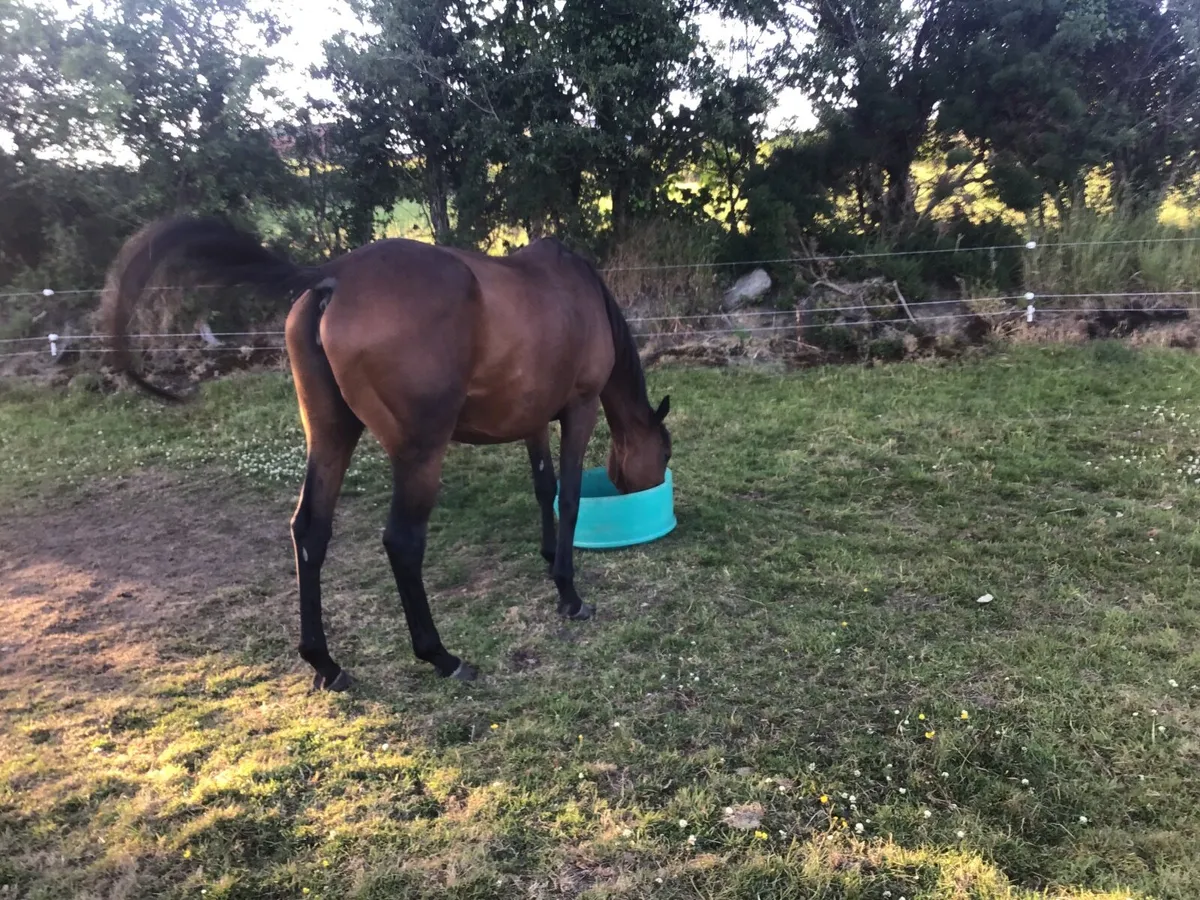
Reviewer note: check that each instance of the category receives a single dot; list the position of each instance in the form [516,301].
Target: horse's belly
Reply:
[500,416]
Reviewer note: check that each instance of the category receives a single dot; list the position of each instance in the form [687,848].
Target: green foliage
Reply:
[1055,89]
[788,195]
[529,113]
[415,111]
[166,88]
[1047,91]
[48,102]
[1092,253]
[183,80]
[597,122]
[792,212]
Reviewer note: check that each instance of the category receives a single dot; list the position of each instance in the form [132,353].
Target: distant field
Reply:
[406,219]
[795,695]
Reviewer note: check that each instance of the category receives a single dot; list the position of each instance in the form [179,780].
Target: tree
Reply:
[877,70]
[413,95]
[528,111]
[1052,89]
[187,83]
[728,125]
[1042,91]
[121,112]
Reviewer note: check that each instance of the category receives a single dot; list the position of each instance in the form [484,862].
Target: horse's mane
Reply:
[627,364]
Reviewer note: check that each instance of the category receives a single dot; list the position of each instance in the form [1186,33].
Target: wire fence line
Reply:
[246,349]
[735,322]
[704,317]
[786,260]
[732,330]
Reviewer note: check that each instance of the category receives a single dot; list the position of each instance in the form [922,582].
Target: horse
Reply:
[425,346]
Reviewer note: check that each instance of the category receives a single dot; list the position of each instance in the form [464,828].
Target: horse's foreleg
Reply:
[544,488]
[416,477]
[578,422]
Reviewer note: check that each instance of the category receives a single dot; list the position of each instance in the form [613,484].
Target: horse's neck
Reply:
[626,412]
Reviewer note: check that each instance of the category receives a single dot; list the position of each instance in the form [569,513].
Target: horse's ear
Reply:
[663,409]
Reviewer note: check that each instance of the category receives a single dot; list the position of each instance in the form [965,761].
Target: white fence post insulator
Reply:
[1031,245]
[48,292]
[53,338]
[1030,310]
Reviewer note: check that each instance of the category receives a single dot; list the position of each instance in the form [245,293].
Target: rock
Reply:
[207,335]
[744,817]
[84,383]
[748,287]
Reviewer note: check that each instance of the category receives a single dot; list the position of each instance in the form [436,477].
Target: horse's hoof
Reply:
[585,612]
[341,683]
[465,672]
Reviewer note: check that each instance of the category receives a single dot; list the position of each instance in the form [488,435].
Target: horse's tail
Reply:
[209,249]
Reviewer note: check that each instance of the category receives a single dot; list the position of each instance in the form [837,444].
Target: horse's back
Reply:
[399,331]
[508,342]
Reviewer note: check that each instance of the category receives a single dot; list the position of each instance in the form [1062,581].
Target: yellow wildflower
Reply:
[964,715]
[761,835]
[824,799]
[929,734]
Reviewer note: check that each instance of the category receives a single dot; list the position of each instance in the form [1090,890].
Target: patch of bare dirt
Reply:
[96,589]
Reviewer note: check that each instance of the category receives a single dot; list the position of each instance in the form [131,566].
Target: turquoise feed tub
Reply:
[608,519]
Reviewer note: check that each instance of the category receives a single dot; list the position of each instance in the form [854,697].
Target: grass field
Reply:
[795,695]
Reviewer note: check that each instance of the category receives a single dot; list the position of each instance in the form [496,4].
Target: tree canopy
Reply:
[586,120]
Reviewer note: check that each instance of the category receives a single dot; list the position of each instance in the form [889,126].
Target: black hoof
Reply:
[465,672]
[585,612]
[342,682]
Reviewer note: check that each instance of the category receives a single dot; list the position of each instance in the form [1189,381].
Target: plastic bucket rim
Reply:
[667,519]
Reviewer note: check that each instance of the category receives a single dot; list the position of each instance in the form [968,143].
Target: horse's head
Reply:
[639,460]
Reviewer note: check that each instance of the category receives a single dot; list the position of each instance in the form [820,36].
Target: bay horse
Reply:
[424,345]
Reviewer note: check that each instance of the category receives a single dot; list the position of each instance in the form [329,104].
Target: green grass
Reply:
[803,647]
[1166,258]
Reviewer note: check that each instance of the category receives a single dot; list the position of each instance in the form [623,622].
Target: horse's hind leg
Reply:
[331,431]
[545,486]
[312,527]
[416,473]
